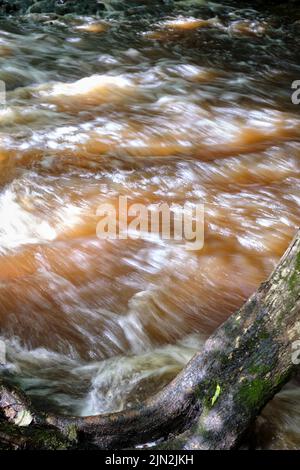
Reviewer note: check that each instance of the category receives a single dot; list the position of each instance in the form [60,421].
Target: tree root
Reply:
[210,404]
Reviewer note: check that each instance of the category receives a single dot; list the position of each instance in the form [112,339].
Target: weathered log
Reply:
[214,400]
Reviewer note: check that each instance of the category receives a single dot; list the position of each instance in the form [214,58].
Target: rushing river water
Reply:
[158,105]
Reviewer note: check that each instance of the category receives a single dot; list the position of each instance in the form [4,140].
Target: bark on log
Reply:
[217,396]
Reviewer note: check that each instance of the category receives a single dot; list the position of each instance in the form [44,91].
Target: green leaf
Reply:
[216,395]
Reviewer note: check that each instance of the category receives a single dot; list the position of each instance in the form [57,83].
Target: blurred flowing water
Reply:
[173,104]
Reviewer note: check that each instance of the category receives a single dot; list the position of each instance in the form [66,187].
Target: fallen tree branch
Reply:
[214,400]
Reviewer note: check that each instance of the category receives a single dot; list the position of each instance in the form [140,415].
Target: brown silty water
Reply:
[169,107]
